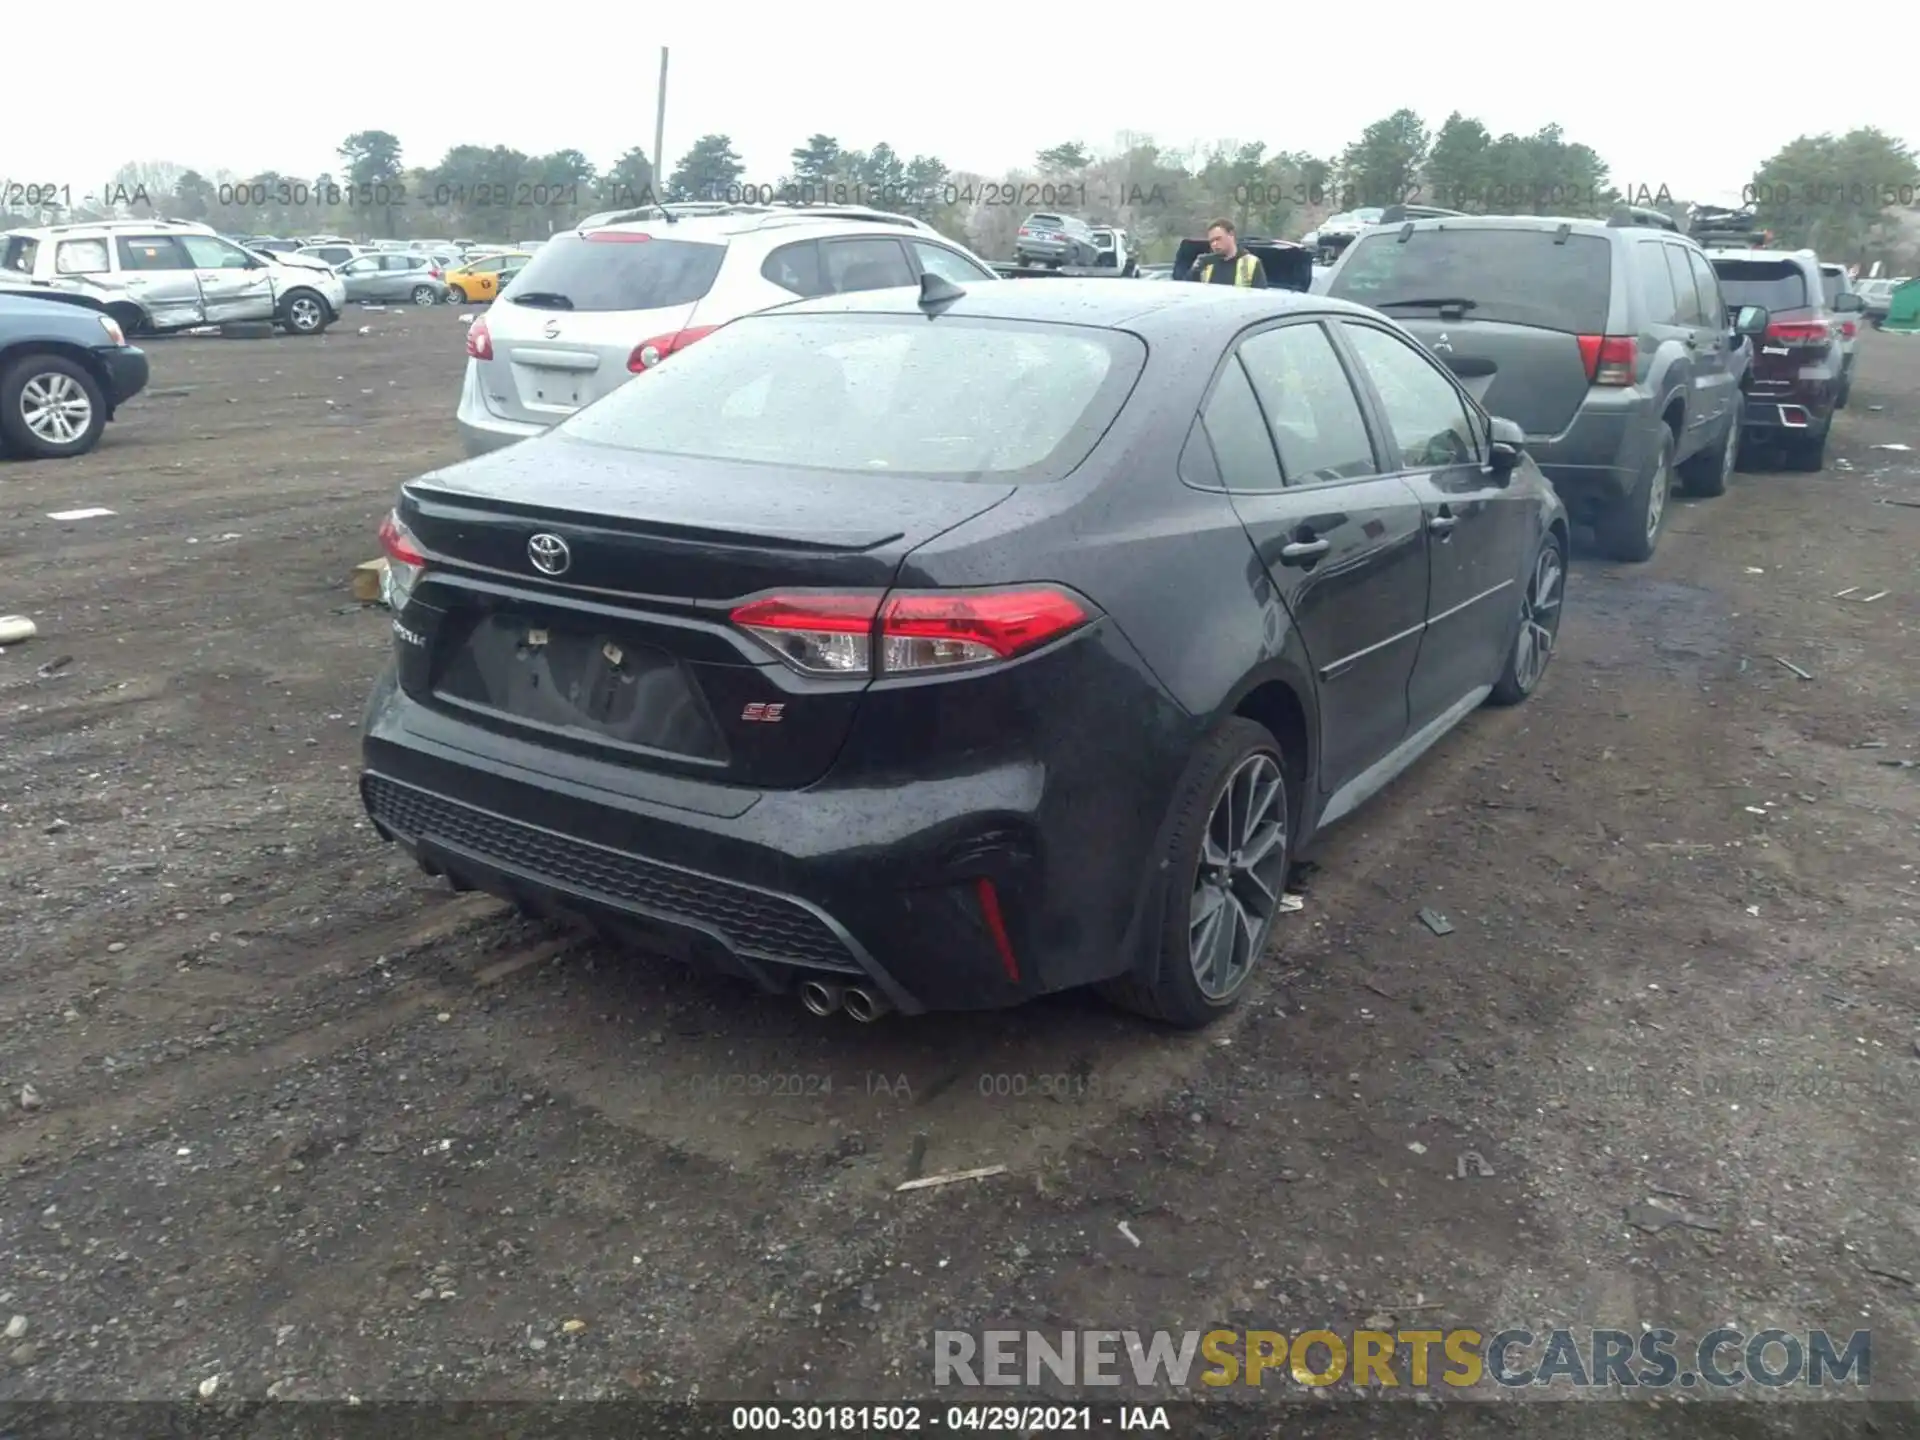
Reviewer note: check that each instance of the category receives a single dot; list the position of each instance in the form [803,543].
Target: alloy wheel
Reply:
[1539,619]
[304,313]
[422,295]
[1732,458]
[1241,877]
[56,408]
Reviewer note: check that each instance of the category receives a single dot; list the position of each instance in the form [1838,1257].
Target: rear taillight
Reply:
[480,339]
[1849,329]
[909,632]
[1025,233]
[1800,332]
[649,353]
[1609,358]
[434,271]
[406,561]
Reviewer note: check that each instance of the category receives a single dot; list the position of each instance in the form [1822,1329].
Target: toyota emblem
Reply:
[549,554]
[551,330]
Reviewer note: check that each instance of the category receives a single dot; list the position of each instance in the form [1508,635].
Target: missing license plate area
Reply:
[578,681]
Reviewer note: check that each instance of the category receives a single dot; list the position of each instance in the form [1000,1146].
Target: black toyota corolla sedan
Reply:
[934,649]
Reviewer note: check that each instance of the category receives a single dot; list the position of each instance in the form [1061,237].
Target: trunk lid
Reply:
[1534,377]
[629,653]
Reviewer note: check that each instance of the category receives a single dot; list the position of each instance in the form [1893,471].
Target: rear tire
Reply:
[1630,529]
[1705,475]
[1538,629]
[51,408]
[425,295]
[1228,847]
[1808,453]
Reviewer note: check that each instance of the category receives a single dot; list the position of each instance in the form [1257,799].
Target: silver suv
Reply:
[596,306]
[162,275]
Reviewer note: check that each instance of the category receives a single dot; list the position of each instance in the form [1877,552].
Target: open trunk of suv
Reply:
[1506,309]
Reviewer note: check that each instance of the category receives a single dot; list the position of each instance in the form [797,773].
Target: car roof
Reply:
[1112,304]
[1576,224]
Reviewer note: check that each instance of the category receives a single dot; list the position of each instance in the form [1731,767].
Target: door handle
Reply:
[1442,524]
[1304,552]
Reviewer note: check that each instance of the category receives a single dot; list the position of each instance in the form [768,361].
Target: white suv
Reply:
[596,306]
[162,275]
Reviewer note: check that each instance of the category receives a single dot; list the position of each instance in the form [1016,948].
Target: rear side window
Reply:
[1708,284]
[1776,284]
[83,257]
[868,264]
[1833,283]
[1515,277]
[879,395]
[795,268]
[1656,282]
[1242,448]
[1684,288]
[1310,404]
[616,270]
[18,254]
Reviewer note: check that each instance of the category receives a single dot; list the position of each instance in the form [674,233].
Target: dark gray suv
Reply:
[1606,341]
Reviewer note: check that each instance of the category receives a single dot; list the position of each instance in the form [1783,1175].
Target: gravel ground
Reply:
[300,1119]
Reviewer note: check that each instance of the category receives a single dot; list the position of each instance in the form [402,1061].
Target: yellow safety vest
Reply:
[1244,269]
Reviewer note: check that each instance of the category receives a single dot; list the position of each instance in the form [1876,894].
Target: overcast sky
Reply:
[982,90]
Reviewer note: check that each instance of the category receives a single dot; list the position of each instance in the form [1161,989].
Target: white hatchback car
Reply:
[596,306]
[162,275]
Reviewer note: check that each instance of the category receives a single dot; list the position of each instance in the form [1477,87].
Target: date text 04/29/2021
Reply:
[907,1419]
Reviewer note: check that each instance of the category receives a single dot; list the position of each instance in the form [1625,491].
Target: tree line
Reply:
[1852,196]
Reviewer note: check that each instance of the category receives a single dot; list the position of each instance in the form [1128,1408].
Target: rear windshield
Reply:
[1044,222]
[879,394]
[617,270]
[1776,284]
[1515,277]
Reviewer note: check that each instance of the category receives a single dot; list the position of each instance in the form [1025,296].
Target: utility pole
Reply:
[659,133]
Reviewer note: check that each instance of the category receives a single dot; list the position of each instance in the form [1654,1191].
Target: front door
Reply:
[233,285]
[1343,541]
[361,276]
[1478,530]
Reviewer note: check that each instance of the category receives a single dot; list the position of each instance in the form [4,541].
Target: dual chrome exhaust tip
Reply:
[824,997]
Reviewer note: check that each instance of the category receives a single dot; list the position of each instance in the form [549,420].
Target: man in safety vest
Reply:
[1228,264]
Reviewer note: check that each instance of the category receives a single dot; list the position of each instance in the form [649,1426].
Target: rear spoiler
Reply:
[1288,266]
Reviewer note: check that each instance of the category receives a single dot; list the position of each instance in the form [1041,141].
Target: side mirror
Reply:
[1506,443]
[1752,320]
[1849,302]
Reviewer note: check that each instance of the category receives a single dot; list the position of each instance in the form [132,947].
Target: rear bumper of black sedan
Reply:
[126,371]
[966,887]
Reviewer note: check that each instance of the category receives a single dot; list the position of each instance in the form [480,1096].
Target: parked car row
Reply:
[158,276]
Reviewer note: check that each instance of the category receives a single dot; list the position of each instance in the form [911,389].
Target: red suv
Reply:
[1799,370]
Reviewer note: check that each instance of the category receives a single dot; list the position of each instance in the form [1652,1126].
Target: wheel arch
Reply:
[66,350]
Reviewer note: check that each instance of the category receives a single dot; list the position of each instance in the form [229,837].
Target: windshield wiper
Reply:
[1448,303]
[541,299]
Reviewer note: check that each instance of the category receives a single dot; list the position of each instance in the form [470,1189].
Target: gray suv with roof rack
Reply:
[1607,341]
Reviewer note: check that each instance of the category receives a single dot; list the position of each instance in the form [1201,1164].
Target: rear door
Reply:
[1720,364]
[1343,543]
[1478,531]
[1700,339]
[566,333]
[160,274]
[1529,296]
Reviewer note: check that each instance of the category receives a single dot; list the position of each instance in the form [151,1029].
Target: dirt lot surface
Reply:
[303,1120]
